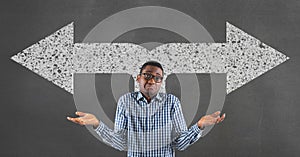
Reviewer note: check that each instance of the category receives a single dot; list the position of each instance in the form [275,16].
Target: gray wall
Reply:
[261,116]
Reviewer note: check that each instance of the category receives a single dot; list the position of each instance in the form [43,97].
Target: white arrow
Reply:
[242,57]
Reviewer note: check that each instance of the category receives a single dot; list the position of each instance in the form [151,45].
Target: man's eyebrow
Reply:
[149,71]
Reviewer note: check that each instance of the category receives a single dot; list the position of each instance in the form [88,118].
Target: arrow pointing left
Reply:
[50,57]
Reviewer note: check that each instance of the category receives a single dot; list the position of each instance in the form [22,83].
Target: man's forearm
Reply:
[187,138]
[116,139]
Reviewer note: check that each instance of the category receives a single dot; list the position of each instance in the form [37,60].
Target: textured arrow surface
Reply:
[242,57]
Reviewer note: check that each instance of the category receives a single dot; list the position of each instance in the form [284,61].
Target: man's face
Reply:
[149,87]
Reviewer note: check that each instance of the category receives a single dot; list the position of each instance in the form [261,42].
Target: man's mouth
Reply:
[149,86]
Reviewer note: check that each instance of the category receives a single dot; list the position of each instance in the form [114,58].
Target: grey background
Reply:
[261,116]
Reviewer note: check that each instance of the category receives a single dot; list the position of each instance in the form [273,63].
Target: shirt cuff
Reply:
[197,130]
[100,127]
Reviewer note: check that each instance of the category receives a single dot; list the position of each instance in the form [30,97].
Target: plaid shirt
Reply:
[149,129]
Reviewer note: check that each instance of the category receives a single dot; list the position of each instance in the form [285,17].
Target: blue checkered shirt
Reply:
[152,129]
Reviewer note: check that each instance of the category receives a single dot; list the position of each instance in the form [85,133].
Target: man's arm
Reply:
[116,138]
[187,137]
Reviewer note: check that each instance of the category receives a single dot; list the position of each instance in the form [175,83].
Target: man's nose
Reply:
[151,81]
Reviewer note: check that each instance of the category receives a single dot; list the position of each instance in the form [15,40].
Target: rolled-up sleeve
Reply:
[116,138]
[184,136]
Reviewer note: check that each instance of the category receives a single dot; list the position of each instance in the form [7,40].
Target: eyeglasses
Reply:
[148,77]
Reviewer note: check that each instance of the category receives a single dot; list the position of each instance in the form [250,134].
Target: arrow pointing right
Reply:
[247,58]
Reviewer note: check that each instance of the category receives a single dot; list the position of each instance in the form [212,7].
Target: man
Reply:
[149,123]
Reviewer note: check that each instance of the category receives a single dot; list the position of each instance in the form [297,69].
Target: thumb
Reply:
[78,113]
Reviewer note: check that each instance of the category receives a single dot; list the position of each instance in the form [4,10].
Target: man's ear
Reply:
[138,78]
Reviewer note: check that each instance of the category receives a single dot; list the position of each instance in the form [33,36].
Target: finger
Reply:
[223,117]
[71,119]
[216,114]
[214,119]
[75,120]
[219,120]
[78,113]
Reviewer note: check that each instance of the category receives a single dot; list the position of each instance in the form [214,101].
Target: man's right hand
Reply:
[85,119]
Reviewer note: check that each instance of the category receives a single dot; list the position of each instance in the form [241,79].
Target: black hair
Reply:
[152,63]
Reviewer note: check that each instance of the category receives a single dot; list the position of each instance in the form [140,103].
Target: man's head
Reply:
[150,78]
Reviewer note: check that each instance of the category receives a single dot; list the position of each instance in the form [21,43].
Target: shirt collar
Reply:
[141,97]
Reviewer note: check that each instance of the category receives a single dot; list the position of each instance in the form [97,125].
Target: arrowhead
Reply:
[51,57]
[247,57]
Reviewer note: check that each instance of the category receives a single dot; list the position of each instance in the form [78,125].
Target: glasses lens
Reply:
[157,79]
[148,77]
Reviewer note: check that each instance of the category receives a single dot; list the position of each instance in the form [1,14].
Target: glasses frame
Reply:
[157,79]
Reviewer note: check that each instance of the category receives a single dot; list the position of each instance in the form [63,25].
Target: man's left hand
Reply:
[211,119]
